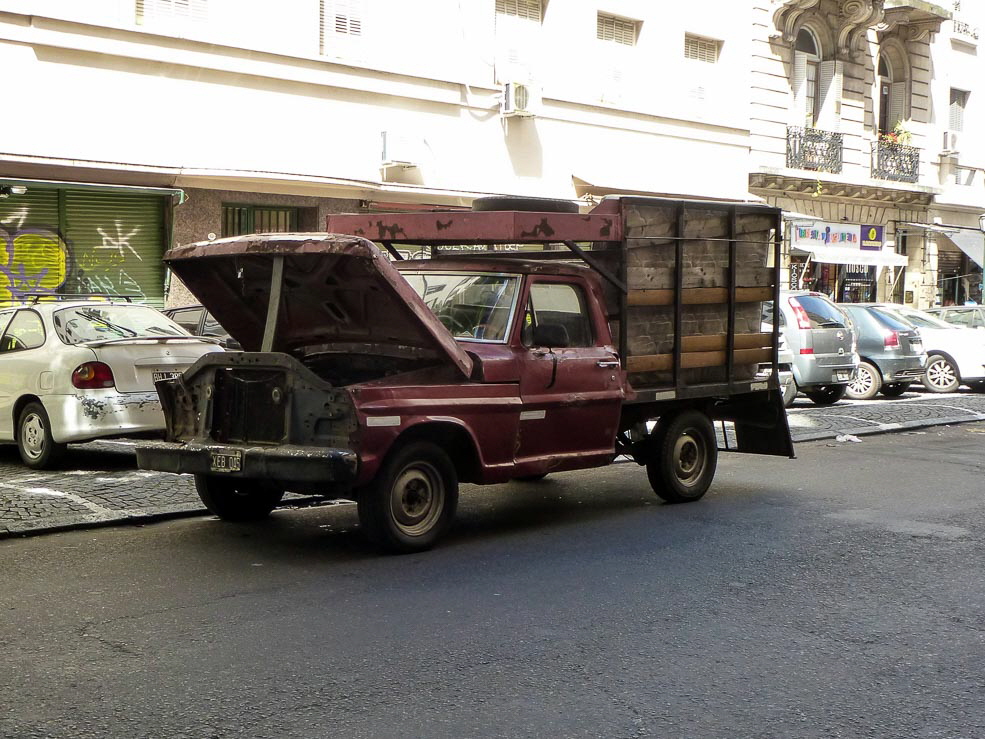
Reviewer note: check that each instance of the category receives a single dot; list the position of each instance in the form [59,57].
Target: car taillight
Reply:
[91,375]
[890,339]
[798,310]
[806,351]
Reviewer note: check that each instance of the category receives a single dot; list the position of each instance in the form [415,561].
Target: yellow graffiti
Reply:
[32,260]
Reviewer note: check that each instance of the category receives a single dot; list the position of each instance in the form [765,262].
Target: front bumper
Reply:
[284,462]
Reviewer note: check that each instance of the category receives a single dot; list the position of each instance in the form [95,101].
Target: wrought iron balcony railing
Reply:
[812,148]
[897,162]
[966,29]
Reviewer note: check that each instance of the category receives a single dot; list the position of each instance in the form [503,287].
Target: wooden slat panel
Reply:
[717,342]
[692,360]
[699,296]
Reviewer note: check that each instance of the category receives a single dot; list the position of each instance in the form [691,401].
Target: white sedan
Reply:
[76,371]
[955,355]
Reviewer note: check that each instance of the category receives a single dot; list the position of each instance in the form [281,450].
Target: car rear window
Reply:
[821,311]
[102,322]
[890,320]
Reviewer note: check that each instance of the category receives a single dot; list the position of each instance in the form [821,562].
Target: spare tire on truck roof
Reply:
[538,205]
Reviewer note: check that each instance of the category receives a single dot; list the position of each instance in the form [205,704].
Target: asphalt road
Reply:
[836,595]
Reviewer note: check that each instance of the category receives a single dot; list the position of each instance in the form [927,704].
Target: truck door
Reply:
[571,384]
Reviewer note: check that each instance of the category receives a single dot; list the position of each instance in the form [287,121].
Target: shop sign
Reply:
[872,237]
[827,234]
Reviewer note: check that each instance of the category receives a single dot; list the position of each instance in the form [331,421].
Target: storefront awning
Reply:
[851,255]
[971,242]
[172,192]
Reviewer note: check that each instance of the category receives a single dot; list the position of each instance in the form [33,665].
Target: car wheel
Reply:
[827,394]
[894,389]
[412,500]
[238,499]
[866,382]
[683,459]
[789,393]
[37,448]
[940,376]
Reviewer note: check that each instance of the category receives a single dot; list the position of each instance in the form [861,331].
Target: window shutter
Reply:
[956,111]
[897,104]
[798,86]
[832,77]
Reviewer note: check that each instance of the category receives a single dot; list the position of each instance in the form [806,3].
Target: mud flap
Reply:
[760,423]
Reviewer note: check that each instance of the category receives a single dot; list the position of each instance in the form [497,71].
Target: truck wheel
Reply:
[866,383]
[238,499]
[412,500]
[37,448]
[827,394]
[684,458]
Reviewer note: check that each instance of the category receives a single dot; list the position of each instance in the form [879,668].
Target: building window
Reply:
[340,21]
[617,30]
[808,57]
[149,11]
[248,219]
[530,10]
[959,100]
[700,50]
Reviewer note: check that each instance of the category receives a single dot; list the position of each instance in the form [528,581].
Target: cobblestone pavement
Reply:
[100,484]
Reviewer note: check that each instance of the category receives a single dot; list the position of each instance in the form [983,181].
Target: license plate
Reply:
[227,461]
[165,375]
[841,375]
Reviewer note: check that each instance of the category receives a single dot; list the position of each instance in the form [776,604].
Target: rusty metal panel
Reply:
[488,227]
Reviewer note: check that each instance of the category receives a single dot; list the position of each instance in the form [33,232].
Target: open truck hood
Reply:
[338,294]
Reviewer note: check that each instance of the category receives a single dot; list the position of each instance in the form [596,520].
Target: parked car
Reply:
[966,316]
[784,362]
[955,355]
[197,321]
[822,343]
[83,370]
[891,354]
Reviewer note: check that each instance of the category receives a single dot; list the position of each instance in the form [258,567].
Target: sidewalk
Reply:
[101,484]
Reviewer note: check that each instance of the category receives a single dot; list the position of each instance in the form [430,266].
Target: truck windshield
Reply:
[471,306]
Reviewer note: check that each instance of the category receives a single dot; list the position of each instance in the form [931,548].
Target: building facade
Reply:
[147,123]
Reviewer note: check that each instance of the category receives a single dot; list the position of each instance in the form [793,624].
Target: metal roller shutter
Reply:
[117,242]
[33,257]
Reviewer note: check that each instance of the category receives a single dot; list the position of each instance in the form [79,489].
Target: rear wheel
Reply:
[684,458]
[789,393]
[238,499]
[412,500]
[940,376]
[894,389]
[978,386]
[866,382]
[37,448]
[827,394]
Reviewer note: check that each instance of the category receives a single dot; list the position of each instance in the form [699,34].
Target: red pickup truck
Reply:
[529,342]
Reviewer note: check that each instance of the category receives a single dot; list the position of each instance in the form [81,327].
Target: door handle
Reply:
[608,363]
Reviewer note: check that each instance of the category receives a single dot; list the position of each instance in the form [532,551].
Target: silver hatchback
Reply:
[822,341]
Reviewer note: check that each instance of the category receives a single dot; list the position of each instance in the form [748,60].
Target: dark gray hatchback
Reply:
[891,352]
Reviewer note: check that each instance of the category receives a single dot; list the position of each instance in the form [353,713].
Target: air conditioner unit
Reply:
[950,143]
[399,151]
[520,99]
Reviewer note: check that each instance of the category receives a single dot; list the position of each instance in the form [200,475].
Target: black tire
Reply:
[37,448]
[940,376]
[532,478]
[826,394]
[413,499]
[684,457]
[894,389]
[789,391]
[238,499]
[977,386]
[538,205]
[866,383]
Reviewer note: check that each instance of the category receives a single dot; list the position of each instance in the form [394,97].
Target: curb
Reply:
[131,517]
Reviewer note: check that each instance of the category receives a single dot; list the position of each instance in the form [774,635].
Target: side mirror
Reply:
[550,335]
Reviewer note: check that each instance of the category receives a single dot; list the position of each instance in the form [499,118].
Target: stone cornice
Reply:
[772,183]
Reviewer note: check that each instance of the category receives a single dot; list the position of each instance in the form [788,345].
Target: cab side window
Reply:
[557,314]
[25,331]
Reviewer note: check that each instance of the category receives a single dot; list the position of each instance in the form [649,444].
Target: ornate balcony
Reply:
[897,162]
[812,148]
